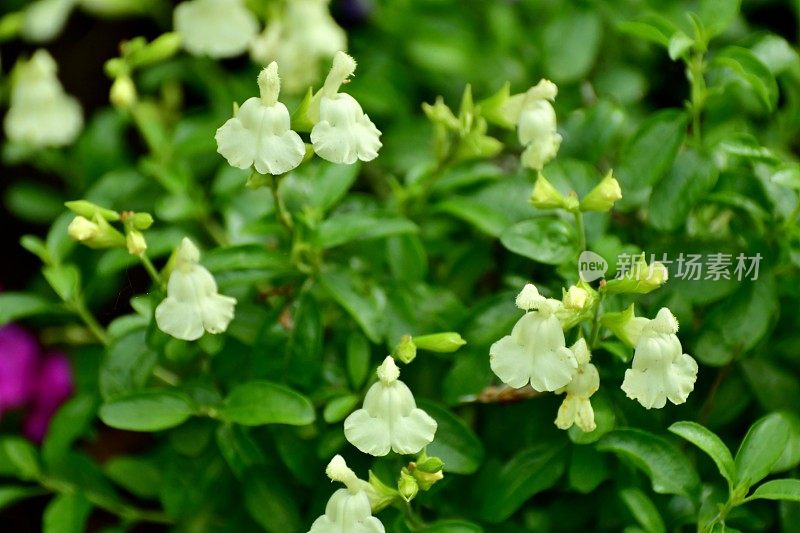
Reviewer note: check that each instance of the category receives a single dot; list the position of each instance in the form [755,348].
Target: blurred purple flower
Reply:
[19,352]
[29,378]
[54,385]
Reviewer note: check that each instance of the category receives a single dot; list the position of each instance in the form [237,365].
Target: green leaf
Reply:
[358,359]
[339,407]
[679,45]
[70,422]
[270,504]
[17,305]
[643,510]
[707,441]
[531,471]
[147,411]
[10,494]
[571,43]
[363,308]
[247,257]
[127,365]
[454,443]
[66,513]
[34,202]
[23,457]
[717,15]
[319,186]
[653,28]
[587,469]
[690,178]
[483,216]
[668,469]
[545,240]
[238,448]
[348,227]
[141,477]
[749,312]
[778,489]
[262,402]
[305,343]
[648,154]
[453,526]
[752,72]
[64,279]
[761,449]
[407,257]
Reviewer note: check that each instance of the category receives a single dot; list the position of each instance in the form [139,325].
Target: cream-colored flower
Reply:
[348,509]
[216,28]
[192,305]
[389,419]
[342,132]
[536,350]
[576,407]
[660,370]
[537,125]
[299,39]
[575,298]
[41,113]
[260,132]
[43,20]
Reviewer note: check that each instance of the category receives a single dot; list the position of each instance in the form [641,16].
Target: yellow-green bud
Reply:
[545,196]
[575,298]
[136,243]
[162,48]
[123,92]
[603,196]
[380,494]
[406,349]
[427,471]
[624,324]
[407,485]
[641,278]
[439,113]
[446,342]
[96,233]
[141,220]
[87,209]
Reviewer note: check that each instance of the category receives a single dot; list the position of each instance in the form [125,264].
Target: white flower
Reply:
[43,20]
[575,298]
[192,304]
[536,350]
[576,407]
[348,510]
[660,370]
[41,113]
[299,39]
[537,125]
[389,418]
[216,28]
[342,132]
[260,132]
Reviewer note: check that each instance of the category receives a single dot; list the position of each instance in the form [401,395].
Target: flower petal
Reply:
[511,362]
[369,434]
[236,143]
[413,432]
[179,319]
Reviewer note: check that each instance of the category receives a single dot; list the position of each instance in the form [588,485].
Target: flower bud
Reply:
[87,209]
[406,349]
[545,196]
[407,486]
[96,233]
[440,342]
[575,298]
[440,113]
[603,196]
[625,325]
[161,48]
[641,278]
[136,243]
[429,465]
[141,220]
[123,92]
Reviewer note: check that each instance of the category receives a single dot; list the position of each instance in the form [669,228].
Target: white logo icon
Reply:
[591,266]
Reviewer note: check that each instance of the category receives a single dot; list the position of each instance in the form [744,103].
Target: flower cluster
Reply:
[536,354]
[260,135]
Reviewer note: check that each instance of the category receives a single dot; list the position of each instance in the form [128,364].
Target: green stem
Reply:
[151,270]
[699,92]
[284,216]
[413,520]
[94,326]
[581,230]
[595,334]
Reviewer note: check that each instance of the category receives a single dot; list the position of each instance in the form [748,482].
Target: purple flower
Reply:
[29,378]
[19,352]
[54,385]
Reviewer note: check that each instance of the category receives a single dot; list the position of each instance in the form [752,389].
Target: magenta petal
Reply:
[53,387]
[18,354]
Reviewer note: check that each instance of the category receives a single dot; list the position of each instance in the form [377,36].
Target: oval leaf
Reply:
[261,402]
[761,448]
[779,489]
[709,443]
[546,240]
[454,443]
[668,469]
[147,411]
